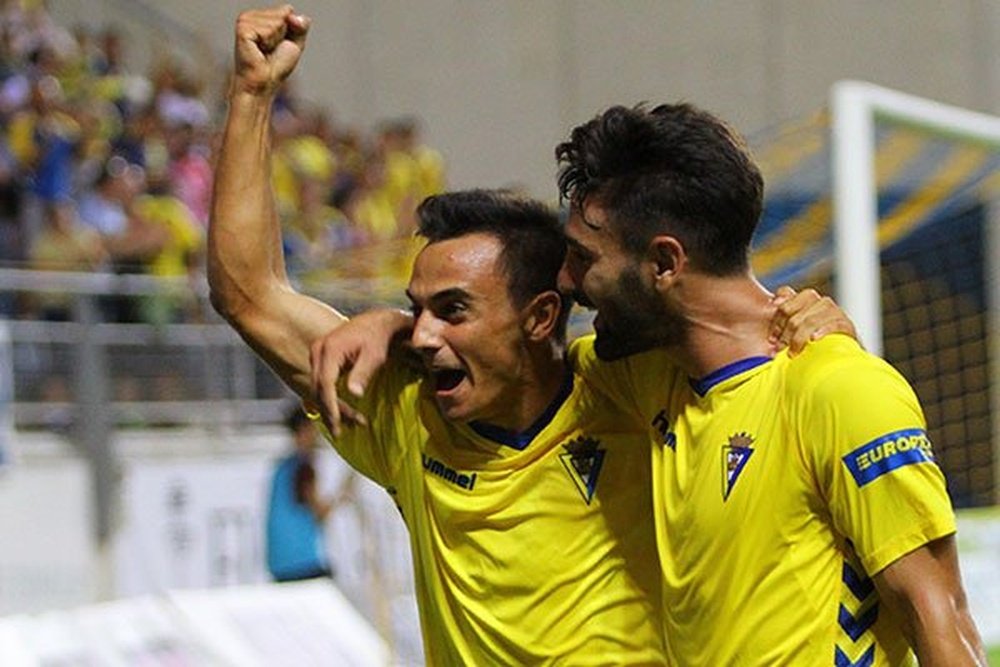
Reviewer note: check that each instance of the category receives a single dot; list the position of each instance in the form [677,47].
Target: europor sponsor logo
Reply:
[887,453]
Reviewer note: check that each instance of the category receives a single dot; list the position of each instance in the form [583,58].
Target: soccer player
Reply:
[801,517]
[529,518]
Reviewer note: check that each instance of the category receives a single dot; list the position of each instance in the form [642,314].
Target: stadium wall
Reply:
[498,83]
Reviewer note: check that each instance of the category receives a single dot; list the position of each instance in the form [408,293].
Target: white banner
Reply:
[192,523]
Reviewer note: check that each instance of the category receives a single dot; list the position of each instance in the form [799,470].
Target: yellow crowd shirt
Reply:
[781,486]
[185,237]
[528,549]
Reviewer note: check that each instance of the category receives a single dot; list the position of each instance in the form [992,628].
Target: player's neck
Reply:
[727,320]
[541,384]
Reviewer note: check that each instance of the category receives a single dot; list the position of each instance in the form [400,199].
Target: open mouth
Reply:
[446,379]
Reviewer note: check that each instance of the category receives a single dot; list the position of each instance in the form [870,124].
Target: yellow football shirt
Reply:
[528,549]
[780,487]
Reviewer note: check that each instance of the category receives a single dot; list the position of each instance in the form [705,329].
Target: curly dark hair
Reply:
[675,169]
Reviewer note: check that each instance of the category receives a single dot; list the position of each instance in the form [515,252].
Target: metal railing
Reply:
[183,373]
[88,377]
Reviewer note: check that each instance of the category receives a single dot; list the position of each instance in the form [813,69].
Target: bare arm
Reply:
[924,591]
[246,269]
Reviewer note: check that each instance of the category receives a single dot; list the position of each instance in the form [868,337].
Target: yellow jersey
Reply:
[528,549]
[781,486]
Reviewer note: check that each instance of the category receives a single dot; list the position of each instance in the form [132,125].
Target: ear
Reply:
[542,315]
[669,258]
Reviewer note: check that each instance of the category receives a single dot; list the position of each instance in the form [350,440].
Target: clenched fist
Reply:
[269,43]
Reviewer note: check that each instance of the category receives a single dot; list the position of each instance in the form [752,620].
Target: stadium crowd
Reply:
[106,169]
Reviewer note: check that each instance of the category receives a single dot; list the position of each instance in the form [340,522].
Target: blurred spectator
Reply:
[190,170]
[400,181]
[64,244]
[296,546]
[413,171]
[314,235]
[42,139]
[142,134]
[181,251]
[372,207]
[176,96]
[32,29]
[131,240]
[109,60]
[430,179]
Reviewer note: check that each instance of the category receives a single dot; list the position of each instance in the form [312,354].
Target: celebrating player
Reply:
[530,525]
[801,517]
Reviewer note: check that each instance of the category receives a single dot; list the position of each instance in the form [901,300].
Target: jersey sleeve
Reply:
[862,428]
[390,404]
[636,384]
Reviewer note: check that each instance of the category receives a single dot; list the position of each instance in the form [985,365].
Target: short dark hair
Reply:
[531,235]
[533,242]
[674,169]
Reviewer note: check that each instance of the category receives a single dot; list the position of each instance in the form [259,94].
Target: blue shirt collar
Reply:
[523,439]
[702,386]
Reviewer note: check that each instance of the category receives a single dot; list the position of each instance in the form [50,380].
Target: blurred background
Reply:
[137,432]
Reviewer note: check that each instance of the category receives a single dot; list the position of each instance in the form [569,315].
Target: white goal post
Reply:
[855,107]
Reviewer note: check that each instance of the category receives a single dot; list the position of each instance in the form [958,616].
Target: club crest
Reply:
[582,459]
[734,458]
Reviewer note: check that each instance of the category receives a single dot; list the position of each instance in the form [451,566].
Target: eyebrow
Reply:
[450,294]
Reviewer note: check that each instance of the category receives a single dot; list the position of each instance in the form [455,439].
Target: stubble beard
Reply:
[636,319]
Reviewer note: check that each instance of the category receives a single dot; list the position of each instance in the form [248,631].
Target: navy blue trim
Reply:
[867,659]
[702,386]
[858,584]
[855,626]
[524,438]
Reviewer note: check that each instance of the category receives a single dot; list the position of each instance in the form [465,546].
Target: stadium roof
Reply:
[922,180]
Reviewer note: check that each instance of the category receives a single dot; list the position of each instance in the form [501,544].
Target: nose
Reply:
[426,336]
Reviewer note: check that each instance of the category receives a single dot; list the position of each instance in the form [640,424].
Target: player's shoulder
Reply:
[837,364]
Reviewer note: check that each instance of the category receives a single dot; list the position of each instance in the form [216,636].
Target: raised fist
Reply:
[269,43]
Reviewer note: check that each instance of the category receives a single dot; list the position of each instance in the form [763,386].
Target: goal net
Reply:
[887,201]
